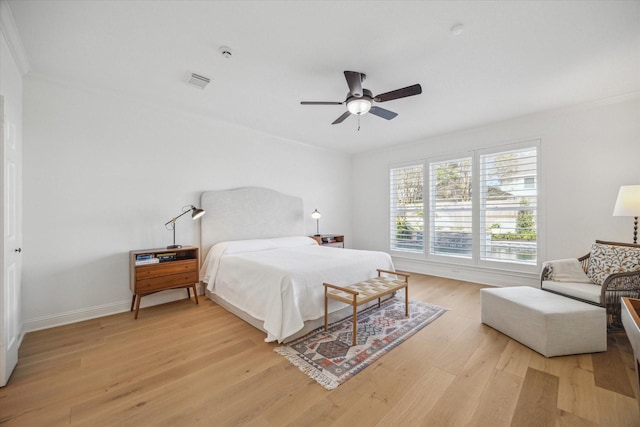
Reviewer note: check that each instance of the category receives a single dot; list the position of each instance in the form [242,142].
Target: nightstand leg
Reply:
[138,306]
[195,293]
[133,300]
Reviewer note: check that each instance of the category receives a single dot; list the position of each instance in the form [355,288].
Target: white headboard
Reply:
[248,213]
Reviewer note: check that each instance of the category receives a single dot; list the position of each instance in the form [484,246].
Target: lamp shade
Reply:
[315,214]
[628,201]
[197,212]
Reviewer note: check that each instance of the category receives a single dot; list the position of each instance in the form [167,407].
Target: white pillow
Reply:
[294,241]
[241,246]
[567,270]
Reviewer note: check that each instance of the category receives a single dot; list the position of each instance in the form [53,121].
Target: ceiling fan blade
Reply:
[320,103]
[381,112]
[354,81]
[341,118]
[399,93]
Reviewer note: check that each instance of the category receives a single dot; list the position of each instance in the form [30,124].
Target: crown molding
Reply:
[10,31]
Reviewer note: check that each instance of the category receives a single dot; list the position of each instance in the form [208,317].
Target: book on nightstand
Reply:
[147,261]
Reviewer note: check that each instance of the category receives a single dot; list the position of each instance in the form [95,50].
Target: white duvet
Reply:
[279,281]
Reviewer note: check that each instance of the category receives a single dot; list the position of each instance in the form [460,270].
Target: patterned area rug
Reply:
[330,359]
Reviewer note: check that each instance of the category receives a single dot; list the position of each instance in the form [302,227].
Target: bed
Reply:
[260,266]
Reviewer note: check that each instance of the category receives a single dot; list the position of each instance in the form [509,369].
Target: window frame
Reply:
[429,215]
[390,218]
[512,265]
[475,259]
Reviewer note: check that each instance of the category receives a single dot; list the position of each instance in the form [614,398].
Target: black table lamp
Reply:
[171,224]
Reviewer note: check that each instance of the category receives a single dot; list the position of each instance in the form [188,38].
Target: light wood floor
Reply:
[180,365]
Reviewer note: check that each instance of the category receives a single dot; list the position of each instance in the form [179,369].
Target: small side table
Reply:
[155,270]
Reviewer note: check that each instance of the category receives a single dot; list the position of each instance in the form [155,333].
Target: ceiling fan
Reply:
[360,101]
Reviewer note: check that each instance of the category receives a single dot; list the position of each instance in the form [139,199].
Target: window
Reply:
[450,208]
[407,209]
[482,207]
[508,206]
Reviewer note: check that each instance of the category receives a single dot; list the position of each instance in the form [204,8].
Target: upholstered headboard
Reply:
[248,213]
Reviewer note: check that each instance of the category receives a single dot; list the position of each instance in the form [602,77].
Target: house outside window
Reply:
[407,208]
[450,207]
[482,207]
[508,206]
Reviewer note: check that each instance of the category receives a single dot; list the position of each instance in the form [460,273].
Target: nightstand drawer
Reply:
[166,269]
[166,282]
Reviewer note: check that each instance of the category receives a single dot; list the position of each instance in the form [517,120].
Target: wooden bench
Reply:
[363,292]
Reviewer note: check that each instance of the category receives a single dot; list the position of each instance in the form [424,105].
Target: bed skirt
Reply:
[309,325]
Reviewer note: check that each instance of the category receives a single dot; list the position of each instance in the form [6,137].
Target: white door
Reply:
[10,255]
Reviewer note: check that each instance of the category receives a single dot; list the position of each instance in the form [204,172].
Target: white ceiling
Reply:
[512,58]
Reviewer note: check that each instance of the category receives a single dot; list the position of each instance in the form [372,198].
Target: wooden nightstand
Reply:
[155,270]
[333,240]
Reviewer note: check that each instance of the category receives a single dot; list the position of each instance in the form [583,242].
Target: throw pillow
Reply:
[567,270]
[608,259]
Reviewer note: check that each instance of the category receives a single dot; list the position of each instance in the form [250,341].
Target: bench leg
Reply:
[326,326]
[406,301]
[355,324]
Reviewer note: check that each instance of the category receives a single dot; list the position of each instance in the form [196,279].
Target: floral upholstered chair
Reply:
[608,272]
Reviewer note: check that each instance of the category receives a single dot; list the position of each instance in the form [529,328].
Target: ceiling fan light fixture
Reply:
[359,106]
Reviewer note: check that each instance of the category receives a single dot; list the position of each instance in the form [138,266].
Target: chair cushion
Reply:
[584,291]
[608,259]
[566,270]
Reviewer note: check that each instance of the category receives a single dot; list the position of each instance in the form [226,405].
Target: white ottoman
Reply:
[548,323]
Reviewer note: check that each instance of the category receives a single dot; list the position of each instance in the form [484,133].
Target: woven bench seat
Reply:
[364,292]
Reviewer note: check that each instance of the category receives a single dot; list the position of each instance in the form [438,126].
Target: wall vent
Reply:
[197,80]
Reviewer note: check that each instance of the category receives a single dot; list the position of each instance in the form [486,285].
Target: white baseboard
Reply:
[484,276]
[59,319]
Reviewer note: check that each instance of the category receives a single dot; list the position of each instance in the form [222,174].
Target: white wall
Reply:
[588,151]
[104,172]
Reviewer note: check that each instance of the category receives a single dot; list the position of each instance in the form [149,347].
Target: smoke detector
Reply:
[197,80]
[225,51]
[457,29]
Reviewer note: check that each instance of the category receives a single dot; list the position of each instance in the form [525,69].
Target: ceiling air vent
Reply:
[197,80]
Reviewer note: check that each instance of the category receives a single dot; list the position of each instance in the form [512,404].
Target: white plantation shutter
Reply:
[407,208]
[451,208]
[480,207]
[509,205]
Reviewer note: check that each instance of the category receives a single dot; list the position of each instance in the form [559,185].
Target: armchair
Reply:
[608,272]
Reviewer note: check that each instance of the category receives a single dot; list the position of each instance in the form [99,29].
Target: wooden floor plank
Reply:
[419,399]
[466,389]
[497,401]
[536,405]
[616,409]
[609,370]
